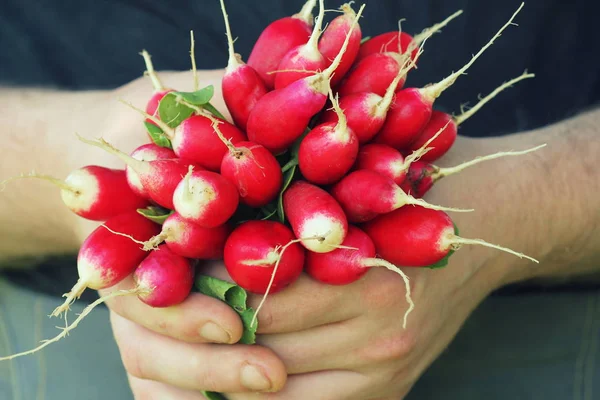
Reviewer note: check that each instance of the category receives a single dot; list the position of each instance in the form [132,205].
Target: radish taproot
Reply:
[159,90]
[254,248]
[190,240]
[108,254]
[205,198]
[316,218]
[412,108]
[419,237]
[282,115]
[277,39]
[305,57]
[93,192]
[241,85]
[350,263]
[159,177]
[444,142]
[146,152]
[328,151]
[422,175]
[332,40]
[365,194]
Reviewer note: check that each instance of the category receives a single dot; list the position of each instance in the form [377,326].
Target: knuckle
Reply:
[391,347]
[205,378]
[132,362]
[382,291]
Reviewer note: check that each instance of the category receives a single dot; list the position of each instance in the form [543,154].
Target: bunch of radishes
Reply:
[320,170]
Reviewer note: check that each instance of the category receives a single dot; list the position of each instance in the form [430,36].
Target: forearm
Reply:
[38,134]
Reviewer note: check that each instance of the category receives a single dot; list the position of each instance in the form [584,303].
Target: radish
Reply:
[443,142]
[205,198]
[422,175]
[282,115]
[252,251]
[94,192]
[399,42]
[315,216]
[384,160]
[190,240]
[412,108]
[348,264]
[159,90]
[419,237]
[195,138]
[159,177]
[332,40]
[108,255]
[364,194]
[241,85]
[163,279]
[146,152]
[277,39]
[328,151]
[306,57]
[362,79]
[255,172]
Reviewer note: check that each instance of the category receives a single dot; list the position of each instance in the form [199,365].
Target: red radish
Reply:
[146,152]
[361,78]
[315,216]
[107,256]
[282,115]
[422,175]
[254,248]
[255,172]
[364,194]
[190,240]
[412,108]
[241,85]
[277,39]
[398,41]
[366,112]
[94,192]
[332,40]
[306,57]
[419,237]
[328,151]
[205,198]
[195,138]
[159,177]
[348,264]
[164,278]
[384,160]
[159,90]
[443,142]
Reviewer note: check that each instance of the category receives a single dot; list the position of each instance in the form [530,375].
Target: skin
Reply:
[316,341]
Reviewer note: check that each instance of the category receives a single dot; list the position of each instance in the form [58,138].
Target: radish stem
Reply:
[151,72]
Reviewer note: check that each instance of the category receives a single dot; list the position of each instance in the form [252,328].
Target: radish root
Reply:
[73,295]
[193,59]
[428,32]
[166,128]
[57,182]
[377,262]
[305,13]
[421,151]
[84,313]
[456,243]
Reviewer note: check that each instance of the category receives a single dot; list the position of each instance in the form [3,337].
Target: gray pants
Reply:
[543,346]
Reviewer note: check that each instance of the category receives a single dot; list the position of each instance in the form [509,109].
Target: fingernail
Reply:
[253,378]
[214,333]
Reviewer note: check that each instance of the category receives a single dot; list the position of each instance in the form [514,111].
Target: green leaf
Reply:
[155,213]
[199,97]
[287,180]
[235,297]
[171,112]
[213,395]
[213,110]
[158,136]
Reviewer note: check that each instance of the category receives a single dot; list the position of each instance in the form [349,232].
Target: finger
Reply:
[305,304]
[151,390]
[330,385]
[198,319]
[239,368]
